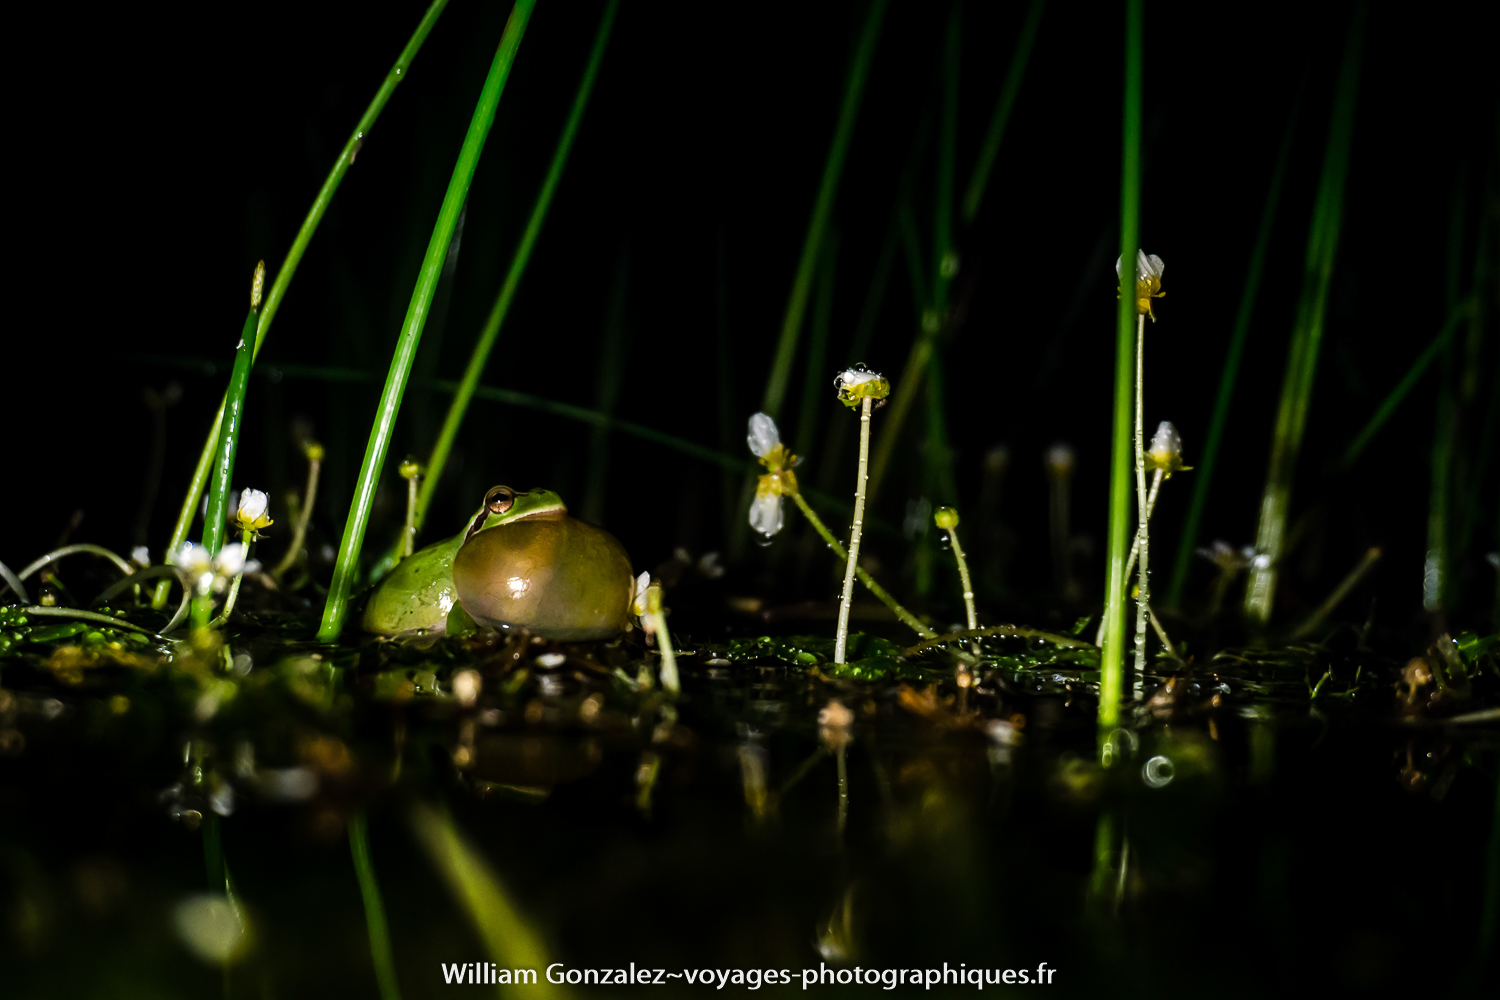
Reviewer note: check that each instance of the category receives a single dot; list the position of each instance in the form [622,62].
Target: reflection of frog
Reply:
[522,563]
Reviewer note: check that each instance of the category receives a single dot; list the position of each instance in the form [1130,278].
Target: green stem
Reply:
[299,529]
[289,268]
[839,552]
[963,576]
[1413,375]
[1371,557]
[1112,656]
[369,890]
[75,549]
[1228,376]
[841,640]
[1142,540]
[491,330]
[1307,336]
[984,165]
[216,514]
[347,564]
[817,224]
[234,587]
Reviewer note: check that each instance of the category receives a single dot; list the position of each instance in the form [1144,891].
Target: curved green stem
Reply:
[299,529]
[234,588]
[75,549]
[839,552]
[345,568]
[86,616]
[486,341]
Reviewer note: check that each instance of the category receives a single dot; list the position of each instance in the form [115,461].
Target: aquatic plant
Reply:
[857,386]
[216,513]
[1111,666]
[344,570]
[1307,333]
[947,519]
[1148,274]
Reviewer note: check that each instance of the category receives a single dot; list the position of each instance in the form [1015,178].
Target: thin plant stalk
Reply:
[1414,373]
[1307,335]
[288,269]
[842,639]
[314,452]
[216,514]
[963,574]
[480,355]
[14,583]
[1135,548]
[1112,655]
[1345,587]
[984,164]
[1229,374]
[409,531]
[346,567]
[881,594]
[1142,539]
[381,955]
[246,537]
[658,617]
[817,224]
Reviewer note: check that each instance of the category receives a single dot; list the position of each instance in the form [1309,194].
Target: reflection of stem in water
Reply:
[843,792]
[369,891]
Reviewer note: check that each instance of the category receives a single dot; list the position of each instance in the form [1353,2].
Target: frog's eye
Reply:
[500,499]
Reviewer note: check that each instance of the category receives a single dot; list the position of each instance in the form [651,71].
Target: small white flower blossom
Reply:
[1165,452]
[763,436]
[765,511]
[196,564]
[250,513]
[141,556]
[638,602]
[1148,272]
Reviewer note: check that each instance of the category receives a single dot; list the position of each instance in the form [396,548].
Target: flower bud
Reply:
[857,383]
[1165,452]
[945,517]
[251,514]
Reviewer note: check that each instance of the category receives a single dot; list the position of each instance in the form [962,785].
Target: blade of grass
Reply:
[491,330]
[817,224]
[216,514]
[369,891]
[1307,334]
[1188,545]
[984,165]
[501,927]
[288,269]
[1402,389]
[347,564]
[1122,464]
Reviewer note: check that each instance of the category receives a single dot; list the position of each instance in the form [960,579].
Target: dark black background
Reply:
[156,154]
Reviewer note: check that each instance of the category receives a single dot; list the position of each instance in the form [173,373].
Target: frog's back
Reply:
[415,598]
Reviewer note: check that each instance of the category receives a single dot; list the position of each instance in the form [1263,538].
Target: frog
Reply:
[522,563]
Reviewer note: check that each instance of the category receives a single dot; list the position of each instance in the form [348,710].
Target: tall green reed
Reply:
[288,269]
[612,356]
[984,165]
[1307,334]
[375,923]
[1229,374]
[347,564]
[1121,466]
[480,355]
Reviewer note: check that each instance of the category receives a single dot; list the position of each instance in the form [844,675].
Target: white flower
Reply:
[765,509]
[857,383]
[196,565]
[1148,267]
[231,560]
[638,602]
[141,556]
[251,512]
[1165,452]
[763,436]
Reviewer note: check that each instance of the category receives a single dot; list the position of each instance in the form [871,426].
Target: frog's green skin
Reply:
[531,567]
